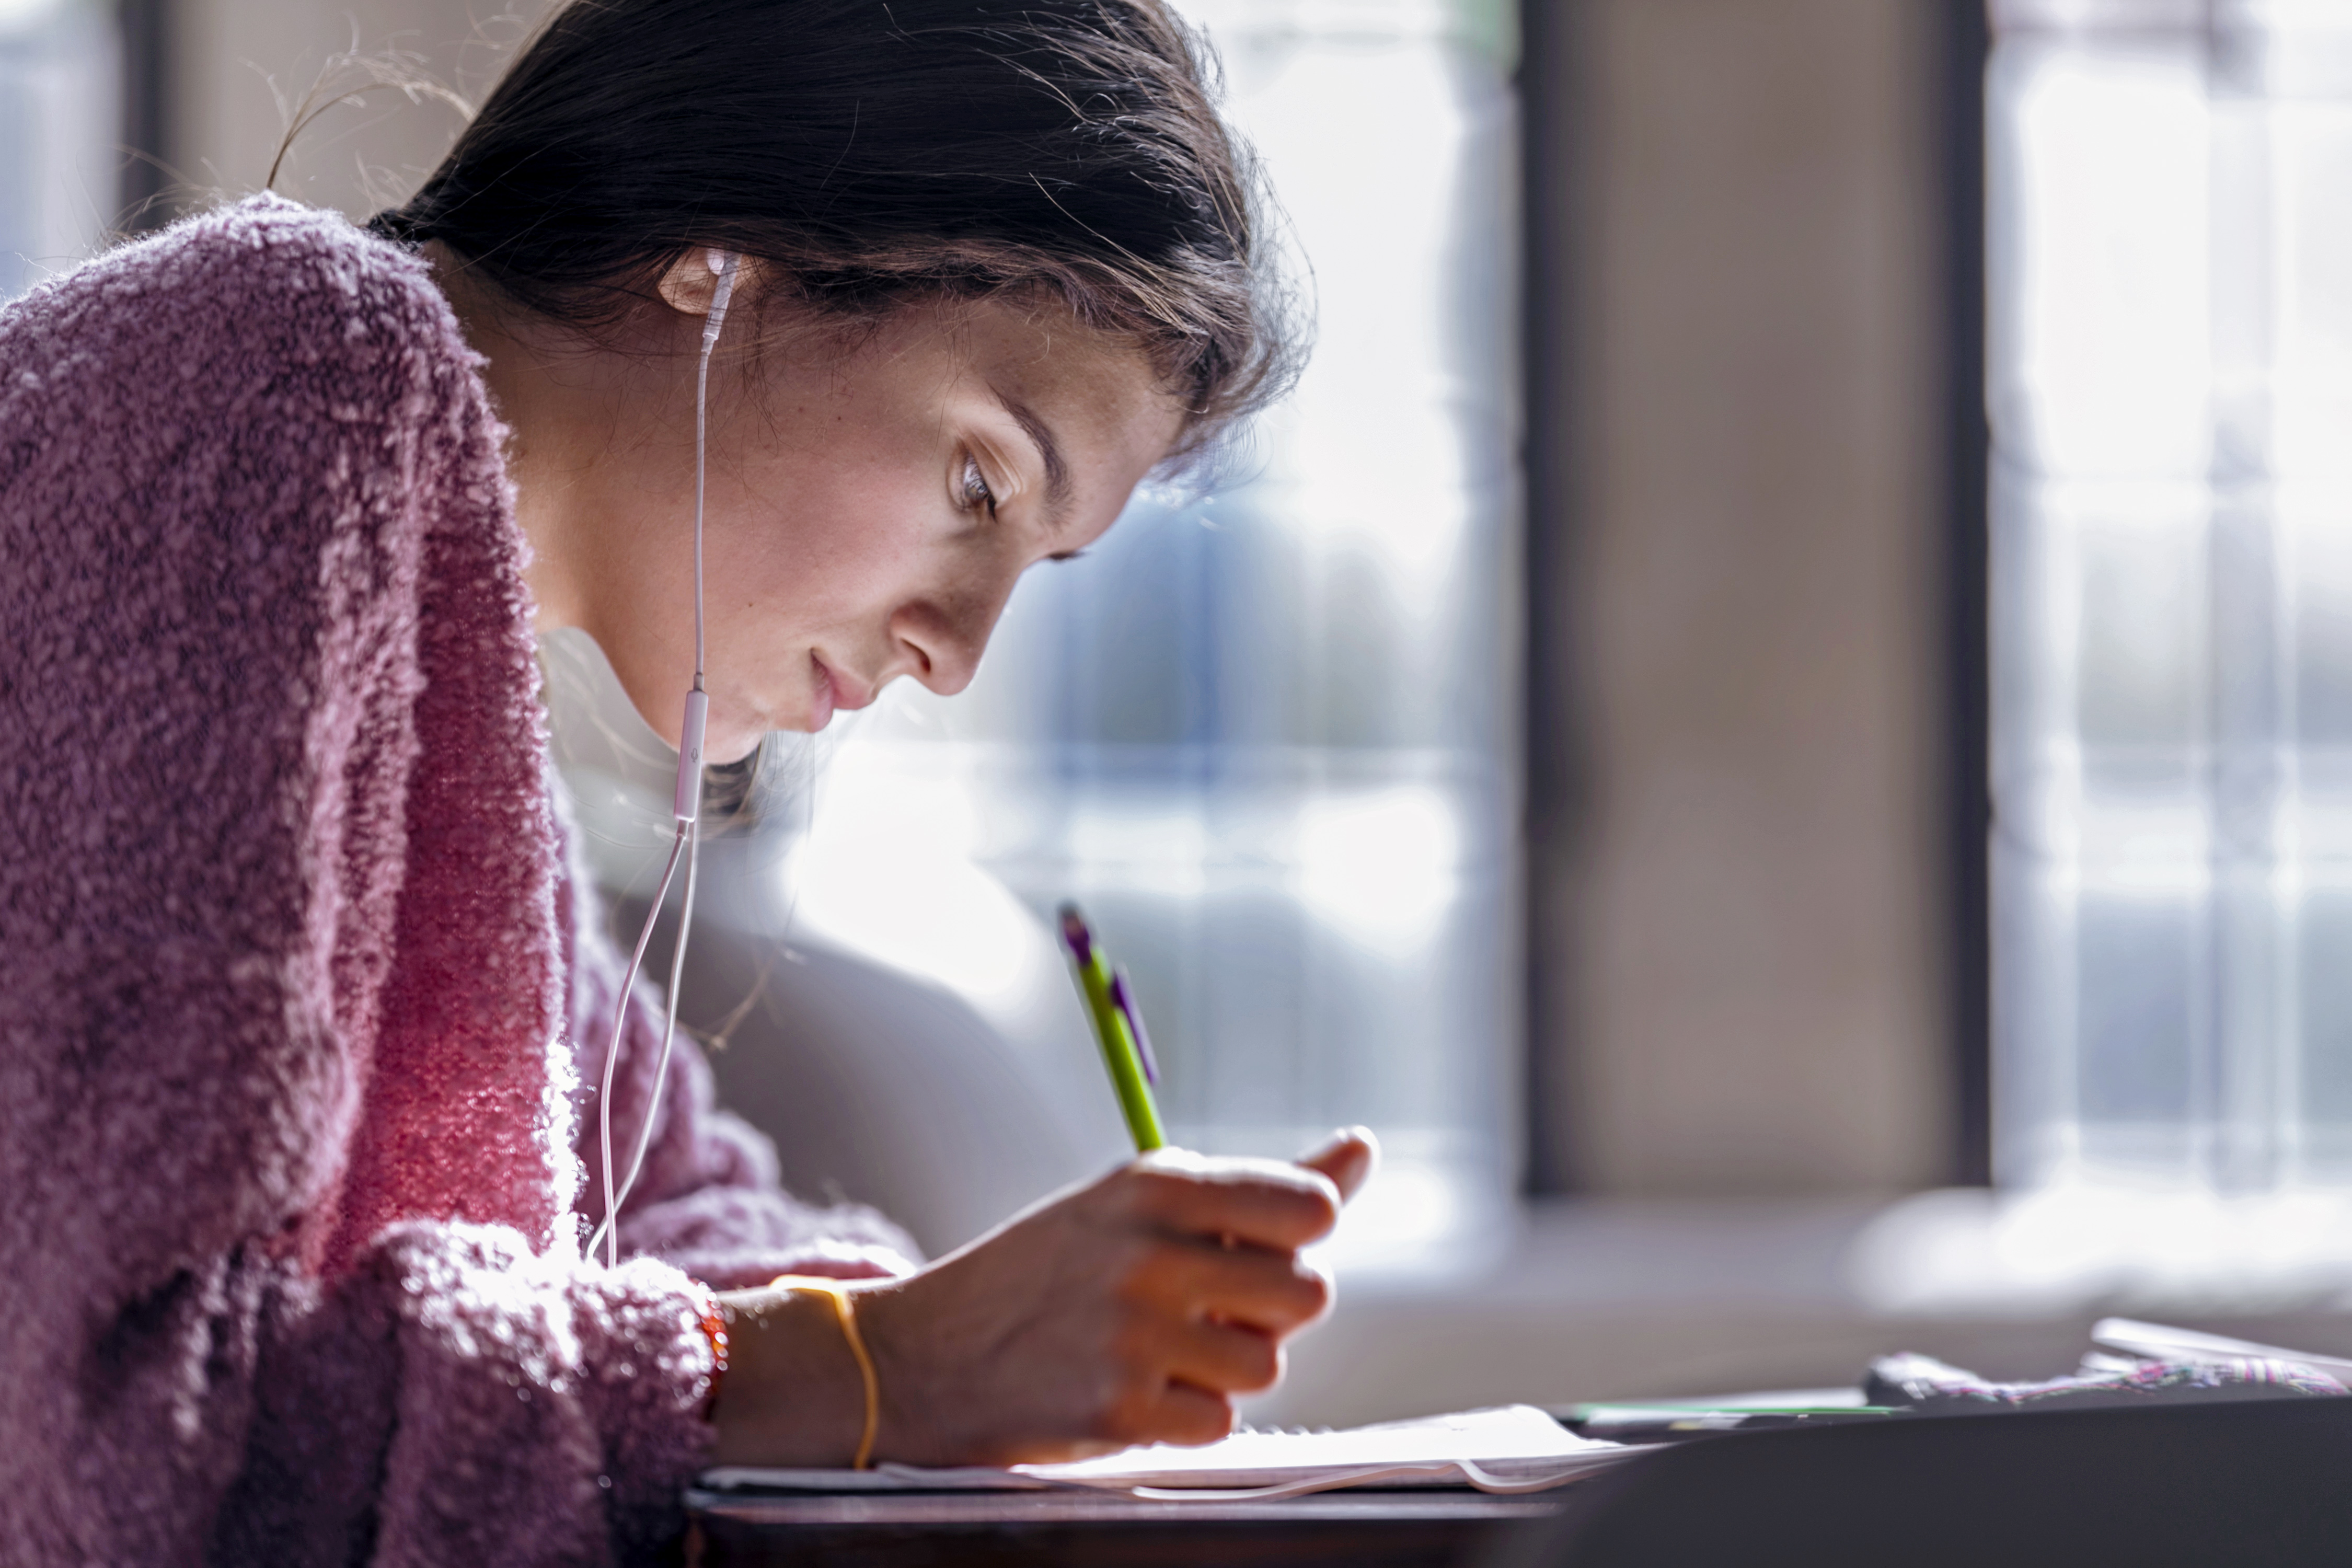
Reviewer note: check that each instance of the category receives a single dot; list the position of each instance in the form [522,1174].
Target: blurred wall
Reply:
[242,68]
[1740,930]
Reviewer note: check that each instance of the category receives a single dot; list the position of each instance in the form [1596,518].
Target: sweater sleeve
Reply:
[459,1398]
[274,1292]
[709,1199]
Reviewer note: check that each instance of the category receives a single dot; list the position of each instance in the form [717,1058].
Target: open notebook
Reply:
[1513,1448]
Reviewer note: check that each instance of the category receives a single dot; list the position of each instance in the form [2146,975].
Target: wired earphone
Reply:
[686,805]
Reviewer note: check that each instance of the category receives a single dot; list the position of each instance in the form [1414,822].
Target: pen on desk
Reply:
[1119,1029]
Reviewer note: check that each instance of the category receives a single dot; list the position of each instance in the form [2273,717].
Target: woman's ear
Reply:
[689,283]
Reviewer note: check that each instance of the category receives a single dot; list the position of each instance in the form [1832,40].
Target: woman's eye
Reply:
[976,493]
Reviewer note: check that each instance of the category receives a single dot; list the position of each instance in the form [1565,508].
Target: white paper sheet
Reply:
[1513,1448]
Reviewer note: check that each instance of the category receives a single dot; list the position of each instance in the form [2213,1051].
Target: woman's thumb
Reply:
[1348,1157]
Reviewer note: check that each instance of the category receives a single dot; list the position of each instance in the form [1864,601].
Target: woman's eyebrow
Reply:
[1057,471]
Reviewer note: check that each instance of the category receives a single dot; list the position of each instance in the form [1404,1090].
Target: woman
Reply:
[301,985]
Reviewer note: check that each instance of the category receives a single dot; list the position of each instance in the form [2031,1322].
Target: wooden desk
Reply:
[1083,1529]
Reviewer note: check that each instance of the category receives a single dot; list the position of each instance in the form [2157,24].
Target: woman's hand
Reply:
[1127,1311]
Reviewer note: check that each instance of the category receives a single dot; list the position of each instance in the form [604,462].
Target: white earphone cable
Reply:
[607,1232]
[686,805]
[720,297]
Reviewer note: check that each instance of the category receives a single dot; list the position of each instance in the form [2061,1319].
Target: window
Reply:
[2171,369]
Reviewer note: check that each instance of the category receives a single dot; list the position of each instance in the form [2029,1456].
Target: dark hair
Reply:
[875,152]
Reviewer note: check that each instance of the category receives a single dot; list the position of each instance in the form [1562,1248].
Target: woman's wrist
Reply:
[792,1397]
[908,1425]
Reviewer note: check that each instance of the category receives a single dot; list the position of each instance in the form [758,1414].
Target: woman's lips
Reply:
[833,692]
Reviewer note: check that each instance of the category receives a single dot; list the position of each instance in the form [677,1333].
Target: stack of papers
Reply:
[1513,1448]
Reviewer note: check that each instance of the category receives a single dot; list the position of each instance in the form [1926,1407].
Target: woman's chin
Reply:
[717,751]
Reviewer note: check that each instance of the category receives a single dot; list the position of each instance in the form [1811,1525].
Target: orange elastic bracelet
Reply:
[837,1292]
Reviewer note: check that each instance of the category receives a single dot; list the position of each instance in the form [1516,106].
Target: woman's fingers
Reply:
[1257,1203]
[1224,1358]
[1191,1415]
[1349,1157]
[1275,1292]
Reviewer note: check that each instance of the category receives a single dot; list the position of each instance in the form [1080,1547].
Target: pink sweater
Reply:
[298,989]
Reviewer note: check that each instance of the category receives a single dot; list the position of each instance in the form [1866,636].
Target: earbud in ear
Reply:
[725,263]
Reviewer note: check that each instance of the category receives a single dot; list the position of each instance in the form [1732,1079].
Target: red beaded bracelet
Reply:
[713,1323]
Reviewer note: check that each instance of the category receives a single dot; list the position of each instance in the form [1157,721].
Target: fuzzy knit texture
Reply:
[301,984]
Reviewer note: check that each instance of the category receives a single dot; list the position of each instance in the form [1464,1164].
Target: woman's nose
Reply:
[943,646]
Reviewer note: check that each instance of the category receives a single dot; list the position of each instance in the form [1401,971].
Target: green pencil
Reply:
[1117,1029]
